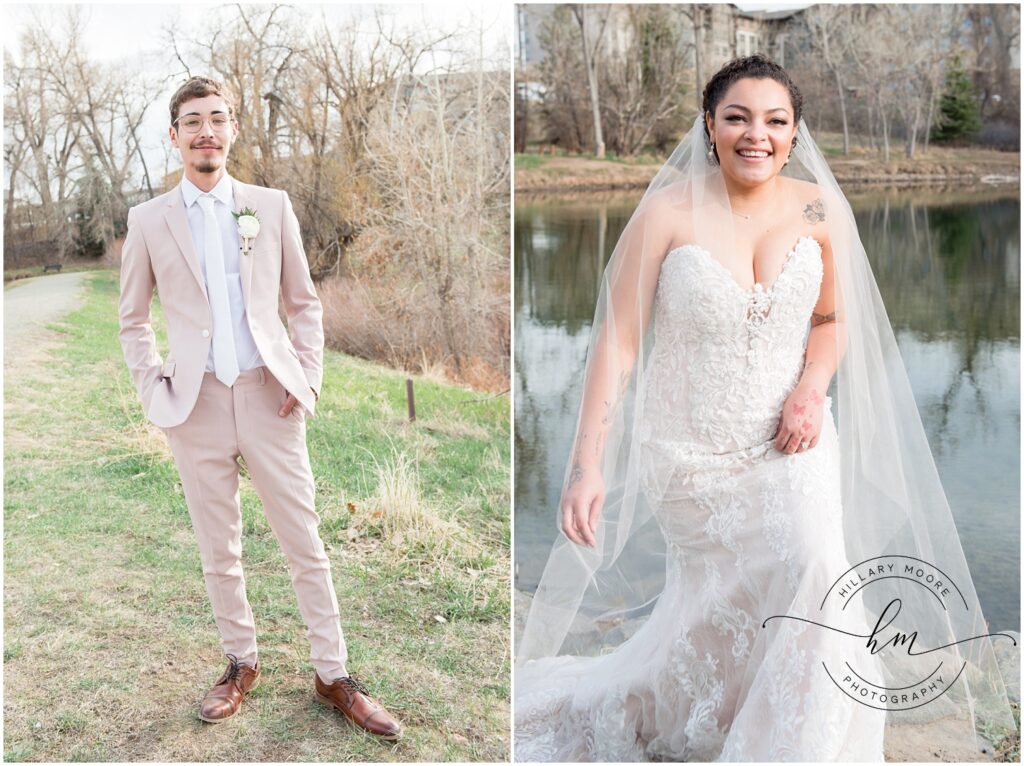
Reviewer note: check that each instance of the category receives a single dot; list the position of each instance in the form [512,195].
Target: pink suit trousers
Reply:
[242,422]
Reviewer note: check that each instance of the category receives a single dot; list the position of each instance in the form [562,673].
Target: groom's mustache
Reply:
[200,146]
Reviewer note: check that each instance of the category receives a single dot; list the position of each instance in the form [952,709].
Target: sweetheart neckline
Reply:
[757,286]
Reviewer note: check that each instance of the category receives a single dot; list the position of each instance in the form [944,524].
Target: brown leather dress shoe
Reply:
[225,697]
[354,701]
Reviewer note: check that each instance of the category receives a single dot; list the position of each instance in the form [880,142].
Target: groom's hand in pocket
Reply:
[288,405]
[581,504]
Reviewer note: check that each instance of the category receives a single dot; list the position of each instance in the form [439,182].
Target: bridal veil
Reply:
[903,603]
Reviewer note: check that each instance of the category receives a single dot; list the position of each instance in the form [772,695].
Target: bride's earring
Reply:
[790,152]
[711,154]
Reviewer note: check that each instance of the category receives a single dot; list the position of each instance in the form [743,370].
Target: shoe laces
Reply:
[354,684]
[234,669]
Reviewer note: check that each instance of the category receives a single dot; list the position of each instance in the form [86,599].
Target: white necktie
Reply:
[225,360]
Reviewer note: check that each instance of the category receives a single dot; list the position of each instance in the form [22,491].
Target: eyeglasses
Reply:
[191,123]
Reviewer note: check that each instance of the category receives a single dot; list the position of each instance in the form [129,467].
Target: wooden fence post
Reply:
[410,399]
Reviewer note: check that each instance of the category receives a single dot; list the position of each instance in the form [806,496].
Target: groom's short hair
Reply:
[199,87]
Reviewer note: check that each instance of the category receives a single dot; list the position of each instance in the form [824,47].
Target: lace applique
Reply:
[784,671]
[603,730]
[699,679]
[777,524]
[729,620]
[718,495]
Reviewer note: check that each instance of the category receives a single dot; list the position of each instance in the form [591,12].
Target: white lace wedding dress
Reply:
[751,533]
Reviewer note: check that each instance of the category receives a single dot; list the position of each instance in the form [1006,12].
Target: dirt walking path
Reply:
[32,304]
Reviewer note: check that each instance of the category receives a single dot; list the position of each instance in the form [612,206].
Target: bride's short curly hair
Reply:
[758,67]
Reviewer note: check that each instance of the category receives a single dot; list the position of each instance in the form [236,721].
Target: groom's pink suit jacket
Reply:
[158,251]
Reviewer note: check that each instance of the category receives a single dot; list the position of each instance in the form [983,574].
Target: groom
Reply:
[234,385]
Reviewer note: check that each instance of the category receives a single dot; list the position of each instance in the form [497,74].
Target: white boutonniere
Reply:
[248,228]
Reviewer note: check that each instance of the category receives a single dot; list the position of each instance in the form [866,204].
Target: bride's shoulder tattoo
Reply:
[815,211]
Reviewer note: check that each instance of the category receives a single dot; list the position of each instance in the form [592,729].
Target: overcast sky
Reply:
[118,30]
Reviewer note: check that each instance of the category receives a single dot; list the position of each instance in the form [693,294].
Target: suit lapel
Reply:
[242,201]
[177,222]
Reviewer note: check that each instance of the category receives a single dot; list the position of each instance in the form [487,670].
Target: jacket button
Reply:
[206,333]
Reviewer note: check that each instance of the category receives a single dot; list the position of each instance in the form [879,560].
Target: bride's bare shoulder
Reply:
[665,213]
[668,199]
[804,191]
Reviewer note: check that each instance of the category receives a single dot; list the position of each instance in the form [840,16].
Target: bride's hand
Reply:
[582,499]
[800,422]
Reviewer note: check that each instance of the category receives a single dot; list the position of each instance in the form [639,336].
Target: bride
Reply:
[740,578]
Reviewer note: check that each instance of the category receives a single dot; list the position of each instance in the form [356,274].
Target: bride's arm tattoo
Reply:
[577,471]
[817,319]
[815,211]
[610,408]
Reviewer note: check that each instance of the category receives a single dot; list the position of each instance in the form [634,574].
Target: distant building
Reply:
[728,33]
[617,37]
[773,33]
[528,22]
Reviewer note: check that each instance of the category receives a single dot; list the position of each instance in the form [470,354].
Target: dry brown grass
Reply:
[399,514]
[384,320]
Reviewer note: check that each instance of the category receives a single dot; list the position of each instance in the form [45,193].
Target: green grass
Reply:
[529,161]
[109,637]
[535,161]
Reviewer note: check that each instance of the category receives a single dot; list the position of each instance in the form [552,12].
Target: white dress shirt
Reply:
[245,347]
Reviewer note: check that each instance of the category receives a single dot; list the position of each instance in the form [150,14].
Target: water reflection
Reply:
[948,268]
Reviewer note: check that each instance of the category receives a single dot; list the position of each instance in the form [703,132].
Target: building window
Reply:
[747,43]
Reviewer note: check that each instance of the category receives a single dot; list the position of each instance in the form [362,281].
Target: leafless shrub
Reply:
[440,161]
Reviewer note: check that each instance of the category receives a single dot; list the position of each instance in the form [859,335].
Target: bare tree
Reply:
[924,60]
[944,23]
[644,93]
[991,32]
[590,42]
[695,16]
[876,56]
[828,27]
[566,119]
[40,120]
[15,146]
